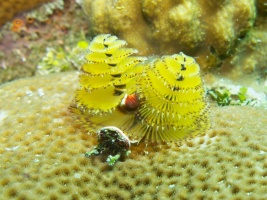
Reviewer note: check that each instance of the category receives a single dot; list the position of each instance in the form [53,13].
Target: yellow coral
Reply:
[158,100]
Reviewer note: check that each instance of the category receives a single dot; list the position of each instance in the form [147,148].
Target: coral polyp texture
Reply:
[42,153]
[10,8]
[206,29]
[161,99]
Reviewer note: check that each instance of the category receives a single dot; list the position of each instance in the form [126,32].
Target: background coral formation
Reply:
[208,30]
[42,153]
[250,56]
[8,9]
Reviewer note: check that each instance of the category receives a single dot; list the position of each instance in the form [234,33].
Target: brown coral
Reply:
[208,30]
[8,9]
[42,153]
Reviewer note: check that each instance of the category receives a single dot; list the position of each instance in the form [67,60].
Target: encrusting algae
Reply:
[155,100]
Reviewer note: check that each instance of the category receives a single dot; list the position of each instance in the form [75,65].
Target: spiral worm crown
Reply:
[172,100]
[169,90]
[105,75]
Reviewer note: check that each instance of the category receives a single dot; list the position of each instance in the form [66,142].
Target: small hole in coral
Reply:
[251,182]
[205,187]
[47,132]
[53,197]
[183,165]
[190,172]
[191,188]
[22,197]
[115,181]
[125,186]
[170,174]
[65,171]
[64,182]
[75,168]
[235,189]
[49,185]
[140,193]
[108,195]
[85,179]
[84,193]
[5,181]
[204,163]
[190,143]
[212,134]
[159,173]
[264,174]
[65,159]
[12,192]
[39,191]
[64,190]
[254,147]
[252,173]
[263,183]
[83,162]
[77,182]
[170,193]
[146,181]
[106,184]
[221,179]
[237,164]
[200,197]
[34,178]
[202,177]
[138,182]
[233,143]
[124,174]
[201,141]
[75,197]
[20,119]
[215,188]
[57,172]
[72,138]
[245,138]
[244,154]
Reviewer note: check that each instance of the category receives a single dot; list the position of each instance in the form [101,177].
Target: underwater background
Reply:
[43,52]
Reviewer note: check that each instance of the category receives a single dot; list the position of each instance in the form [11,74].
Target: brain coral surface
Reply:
[42,153]
[206,29]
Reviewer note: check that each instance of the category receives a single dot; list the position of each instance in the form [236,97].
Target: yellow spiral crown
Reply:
[106,75]
[166,94]
[172,100]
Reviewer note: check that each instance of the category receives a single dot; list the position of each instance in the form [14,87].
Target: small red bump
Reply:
[130,103]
